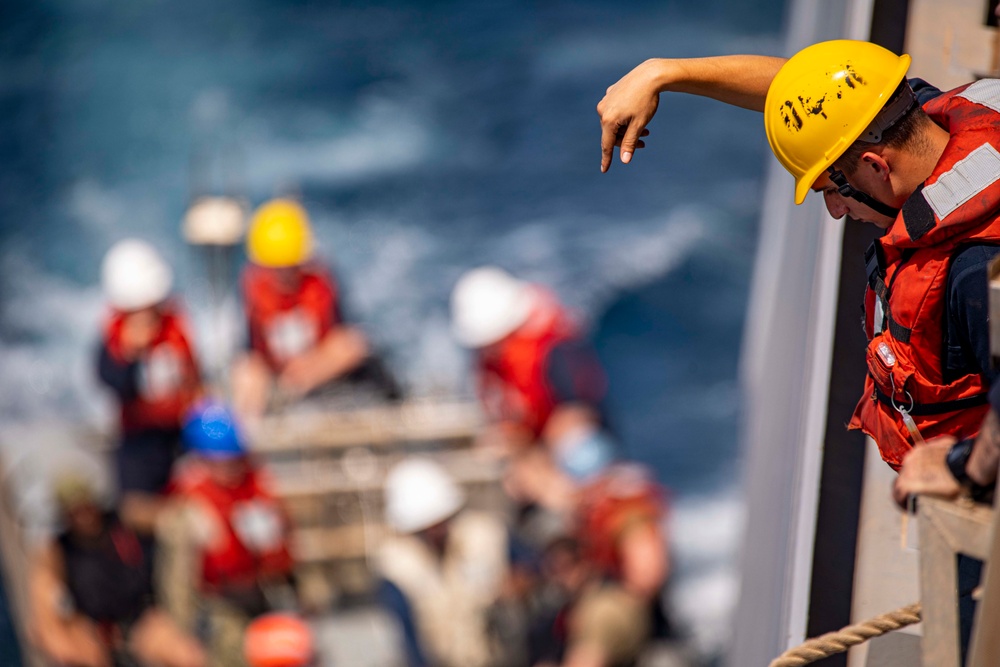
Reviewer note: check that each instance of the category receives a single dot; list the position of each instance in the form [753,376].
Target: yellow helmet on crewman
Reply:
[280,235]
[826,97]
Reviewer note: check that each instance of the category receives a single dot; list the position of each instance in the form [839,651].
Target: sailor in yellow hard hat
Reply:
[298,335]
[843,120]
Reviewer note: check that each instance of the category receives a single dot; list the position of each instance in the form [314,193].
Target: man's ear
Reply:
[877,164]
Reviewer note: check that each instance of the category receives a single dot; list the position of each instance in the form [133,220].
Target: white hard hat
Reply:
[487,304]
[418,494]
[134,276]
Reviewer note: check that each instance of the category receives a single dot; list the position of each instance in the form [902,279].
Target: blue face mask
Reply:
[585,456]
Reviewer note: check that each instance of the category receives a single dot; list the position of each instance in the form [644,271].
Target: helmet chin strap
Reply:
[848,190]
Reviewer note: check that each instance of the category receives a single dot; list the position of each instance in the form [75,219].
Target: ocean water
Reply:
[425,138]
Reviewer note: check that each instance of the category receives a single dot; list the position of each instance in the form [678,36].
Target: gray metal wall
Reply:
[786,375]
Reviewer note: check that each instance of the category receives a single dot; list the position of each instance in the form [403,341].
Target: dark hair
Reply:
[906,132]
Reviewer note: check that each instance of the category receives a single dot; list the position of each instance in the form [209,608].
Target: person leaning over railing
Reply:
[842,119]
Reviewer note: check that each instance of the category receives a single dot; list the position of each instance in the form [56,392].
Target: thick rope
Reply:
[833,643]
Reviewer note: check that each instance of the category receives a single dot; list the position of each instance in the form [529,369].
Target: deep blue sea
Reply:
[425,138]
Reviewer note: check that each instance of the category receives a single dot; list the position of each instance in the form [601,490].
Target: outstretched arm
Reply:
[630,104]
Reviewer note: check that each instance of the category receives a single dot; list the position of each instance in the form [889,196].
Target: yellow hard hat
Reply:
[279,235]
[823,99]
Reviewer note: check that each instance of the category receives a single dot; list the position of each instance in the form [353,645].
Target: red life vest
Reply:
[285,324]
[168,377]
[624,496]
[513,382]
[232,559]
[905,303]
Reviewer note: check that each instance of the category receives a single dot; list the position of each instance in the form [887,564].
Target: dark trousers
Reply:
[145,458]
[969,572]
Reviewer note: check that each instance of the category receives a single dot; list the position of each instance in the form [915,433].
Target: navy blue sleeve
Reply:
[248,340]
[995,398]
[122,378]
[340,311]
[967,338]
[574,374]
[924,91]
[522,555]
[393,601]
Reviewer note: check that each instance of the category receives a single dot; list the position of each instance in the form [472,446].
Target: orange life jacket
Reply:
[285,324]
[624,496]
[959,205]
[513,382]
[231,559]
[168,377]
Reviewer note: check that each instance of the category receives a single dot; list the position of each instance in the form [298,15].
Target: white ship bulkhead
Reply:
[824,545]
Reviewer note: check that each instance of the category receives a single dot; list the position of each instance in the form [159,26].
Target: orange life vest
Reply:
[285,324]
[624,496]
[513,382]
[231,559]
[959,205]
[168,377]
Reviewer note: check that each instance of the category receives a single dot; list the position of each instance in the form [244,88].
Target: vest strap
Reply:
[875,268]
[897,330]
[926,409]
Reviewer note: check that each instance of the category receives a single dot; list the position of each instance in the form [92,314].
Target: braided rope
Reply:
[837,642]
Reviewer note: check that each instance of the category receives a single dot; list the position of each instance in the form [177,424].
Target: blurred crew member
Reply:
[237,528]
[443,568]
[297,333]
[279,640]
[92,594]
[147,359]
[618,518]
[533,371]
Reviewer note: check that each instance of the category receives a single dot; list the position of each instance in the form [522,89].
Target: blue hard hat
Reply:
[211,431]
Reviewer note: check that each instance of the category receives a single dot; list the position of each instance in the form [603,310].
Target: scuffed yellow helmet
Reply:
[280,235]
[823,99]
